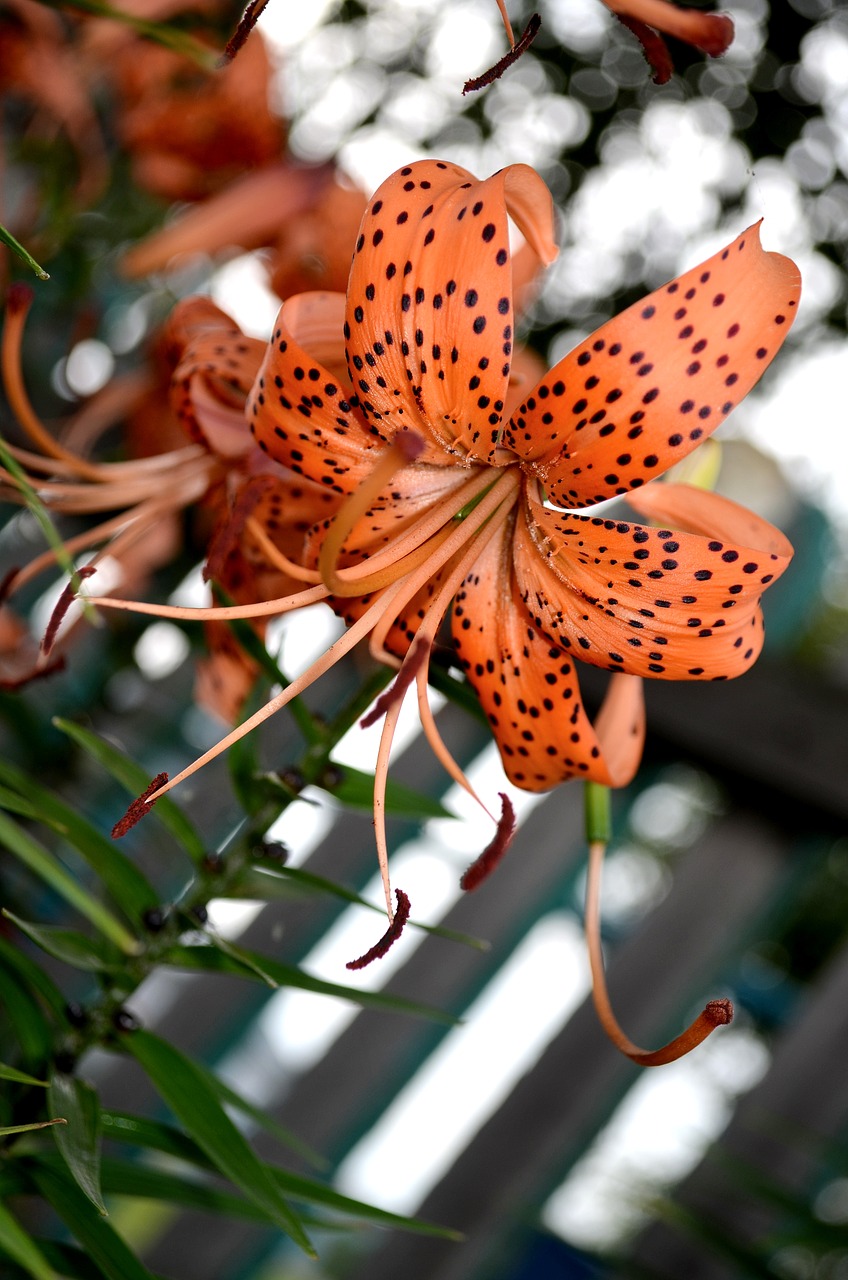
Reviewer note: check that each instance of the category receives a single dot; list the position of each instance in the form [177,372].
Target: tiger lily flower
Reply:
[460,493]
[712,33]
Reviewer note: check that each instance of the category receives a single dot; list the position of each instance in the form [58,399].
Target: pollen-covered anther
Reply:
[415,660]
[139,807]
[391,935]
[63,604]
[484,865]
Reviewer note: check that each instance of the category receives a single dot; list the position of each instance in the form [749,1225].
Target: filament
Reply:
[716,1013]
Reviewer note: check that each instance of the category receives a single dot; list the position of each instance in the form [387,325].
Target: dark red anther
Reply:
[391,935]
[415,660]
[653,46]
[229,536]
[63,604]
[139,807]
[495,72]
[483,866]
[246,24]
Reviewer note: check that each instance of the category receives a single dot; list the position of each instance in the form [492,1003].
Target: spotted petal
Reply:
[649,385]
[215,368]
[652,602]
[528,686]
[300,411]
[429,318]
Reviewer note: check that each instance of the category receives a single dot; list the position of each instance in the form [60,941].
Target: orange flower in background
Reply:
[202,369]
[450,480]
[712,33]
[190,131]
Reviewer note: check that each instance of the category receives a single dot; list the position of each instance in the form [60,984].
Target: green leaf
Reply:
[307,1189]
[356,790]
[119,1126]
[184,1087]
[29,1024]
[128,887]
[160,32]
[79,1140]
[211,960]
[9,240]
[42,518]
[161,1137]
[28,1128]
[48,868]
[135,779]
[21,1248]
[270,882]
[123,1179]
[30,975]
[69,946]
[97,1236]
[20,1077]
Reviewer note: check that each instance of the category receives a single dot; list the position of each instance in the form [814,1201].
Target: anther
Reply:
[63,604]
[483,866]
[495,72]
[391,935]
[139,807]
[415,659]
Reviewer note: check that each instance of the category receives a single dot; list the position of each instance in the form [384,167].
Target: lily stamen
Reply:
[404,449]
[717,1013]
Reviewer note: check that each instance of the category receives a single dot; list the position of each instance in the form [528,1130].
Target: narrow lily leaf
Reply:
[307,1189]
[128,887]
[356,789]
[123,1179]
[30,1027]
[67,1260]
[79,1140]
[137,1131]
[211,960]
[135,778]
[97,1236]
[30,976]
[18,1245]
[184,1087]
[69,946]
[27,1128]
[255,963]
[160,32]
[47,867]
[19,1077]
[263,882]
[9,240]
[162,1137]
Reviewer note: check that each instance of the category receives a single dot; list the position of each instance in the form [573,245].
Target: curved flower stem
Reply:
[717,1013]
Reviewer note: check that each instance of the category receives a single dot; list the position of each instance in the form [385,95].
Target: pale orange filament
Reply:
[426,634]
[504,488]
[215,613]
[717,1012]
[327,660]
[507,24]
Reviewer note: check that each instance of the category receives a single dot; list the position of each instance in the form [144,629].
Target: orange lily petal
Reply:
[300,413]
[425,351]
[526,685]
[215,372]
[649,385]
[699,511]
[651,602]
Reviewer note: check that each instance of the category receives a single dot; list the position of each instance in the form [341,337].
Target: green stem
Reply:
[598,813]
